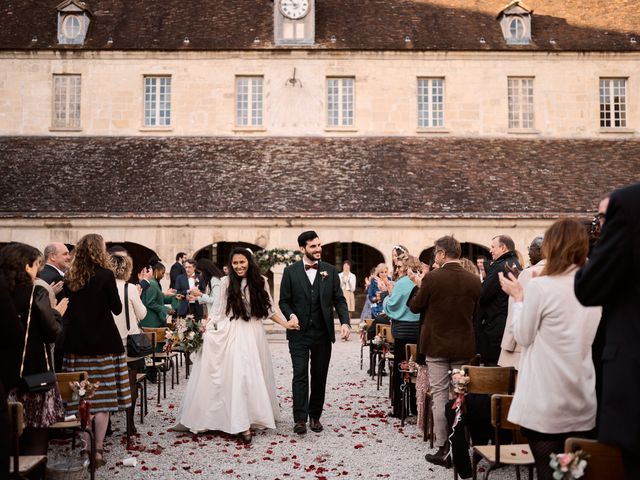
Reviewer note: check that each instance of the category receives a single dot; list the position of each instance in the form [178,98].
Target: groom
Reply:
[310,290]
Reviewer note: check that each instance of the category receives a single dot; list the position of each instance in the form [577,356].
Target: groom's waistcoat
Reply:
[317,319]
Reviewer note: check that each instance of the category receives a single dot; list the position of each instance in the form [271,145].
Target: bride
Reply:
[232,386]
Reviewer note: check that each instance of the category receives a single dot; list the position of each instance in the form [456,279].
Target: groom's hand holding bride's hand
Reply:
[293,324]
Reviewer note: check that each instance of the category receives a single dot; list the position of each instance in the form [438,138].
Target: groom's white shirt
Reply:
[311,272]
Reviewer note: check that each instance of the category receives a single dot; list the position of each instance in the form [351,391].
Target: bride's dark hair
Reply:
[260,303]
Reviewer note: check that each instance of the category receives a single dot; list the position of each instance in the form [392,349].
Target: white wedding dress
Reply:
[232,385]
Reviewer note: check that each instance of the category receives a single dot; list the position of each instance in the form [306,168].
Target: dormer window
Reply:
[71,27]
[73,22]
[515,21]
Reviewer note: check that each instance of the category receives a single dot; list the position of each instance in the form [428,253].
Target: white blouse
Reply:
[137,311]
[212,297]
[556,382]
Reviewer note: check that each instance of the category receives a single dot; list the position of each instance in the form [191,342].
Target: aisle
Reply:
[359,441]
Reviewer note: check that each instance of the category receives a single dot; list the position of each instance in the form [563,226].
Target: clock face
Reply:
[294,9]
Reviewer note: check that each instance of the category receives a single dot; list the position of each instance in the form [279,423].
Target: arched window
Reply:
[516,29]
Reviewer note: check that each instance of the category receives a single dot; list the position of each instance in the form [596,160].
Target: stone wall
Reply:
[566,91]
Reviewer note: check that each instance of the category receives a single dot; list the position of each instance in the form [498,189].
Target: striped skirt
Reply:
[114,392]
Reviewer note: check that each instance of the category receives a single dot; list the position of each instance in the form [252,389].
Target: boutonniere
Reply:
[323,274]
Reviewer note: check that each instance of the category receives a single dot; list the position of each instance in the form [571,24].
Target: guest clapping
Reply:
[555,396]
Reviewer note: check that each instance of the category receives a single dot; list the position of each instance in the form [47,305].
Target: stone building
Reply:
[190,126]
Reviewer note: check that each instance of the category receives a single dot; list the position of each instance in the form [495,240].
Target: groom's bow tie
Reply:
[307,267]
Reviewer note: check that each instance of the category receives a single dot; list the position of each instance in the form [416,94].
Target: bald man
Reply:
[57,260]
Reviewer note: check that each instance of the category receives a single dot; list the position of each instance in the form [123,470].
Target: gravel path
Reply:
[358,440]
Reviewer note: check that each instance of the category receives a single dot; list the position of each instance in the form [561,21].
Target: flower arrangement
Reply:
[459,381]
[409,366]
[187,334]
[323,274]
[377,340]
[567,466]
[268,258]
[84,389]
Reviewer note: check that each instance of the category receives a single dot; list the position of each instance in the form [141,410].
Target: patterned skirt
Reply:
[422,389]
[114,392]
[41,409]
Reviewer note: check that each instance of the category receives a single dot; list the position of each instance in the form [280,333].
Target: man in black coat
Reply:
[57,260]
[493,303]
[177,269]
[309,292]
[610,278]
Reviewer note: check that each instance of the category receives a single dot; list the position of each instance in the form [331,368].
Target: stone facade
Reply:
[380,182]
[566,92]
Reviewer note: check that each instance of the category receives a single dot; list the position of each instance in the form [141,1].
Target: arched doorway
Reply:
[469,250]
[219,252]
[139,254]
[363,258]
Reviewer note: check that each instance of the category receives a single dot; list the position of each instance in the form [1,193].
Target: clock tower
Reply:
[294,22]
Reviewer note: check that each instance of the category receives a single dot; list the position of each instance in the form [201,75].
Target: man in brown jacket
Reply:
[448,296]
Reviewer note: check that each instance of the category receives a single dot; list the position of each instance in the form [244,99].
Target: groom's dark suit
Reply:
[313,305]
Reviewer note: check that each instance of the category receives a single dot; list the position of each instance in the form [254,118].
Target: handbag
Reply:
[36,382]
[138,344]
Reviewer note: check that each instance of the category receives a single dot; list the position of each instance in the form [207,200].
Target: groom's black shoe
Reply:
[315,425]
[300,427]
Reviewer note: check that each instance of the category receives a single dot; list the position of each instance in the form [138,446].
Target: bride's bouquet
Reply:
[186,335]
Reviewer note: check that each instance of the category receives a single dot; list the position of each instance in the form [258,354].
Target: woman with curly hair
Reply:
[232,387]
[38,325]
[92,342]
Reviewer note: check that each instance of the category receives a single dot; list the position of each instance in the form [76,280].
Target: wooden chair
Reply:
[363,338]
[490,380]
[154,362]
[385,332]
[66,392]
[163,361]
[410,351]
[141,387]
[138,380]
[499,454]
[605,461]
[21,465]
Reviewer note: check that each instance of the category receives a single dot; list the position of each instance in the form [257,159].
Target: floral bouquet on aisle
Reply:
[185,336]
[83,390]
[567,466]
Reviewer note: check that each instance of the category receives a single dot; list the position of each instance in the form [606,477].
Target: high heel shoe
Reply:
[246,436]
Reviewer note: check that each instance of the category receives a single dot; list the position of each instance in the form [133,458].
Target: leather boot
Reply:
[441,457]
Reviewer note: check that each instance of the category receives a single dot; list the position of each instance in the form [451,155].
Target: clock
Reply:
[294,9]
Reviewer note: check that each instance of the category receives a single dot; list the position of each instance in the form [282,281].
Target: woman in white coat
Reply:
[555,395]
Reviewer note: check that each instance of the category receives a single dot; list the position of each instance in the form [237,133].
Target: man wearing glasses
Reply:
[448,297]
